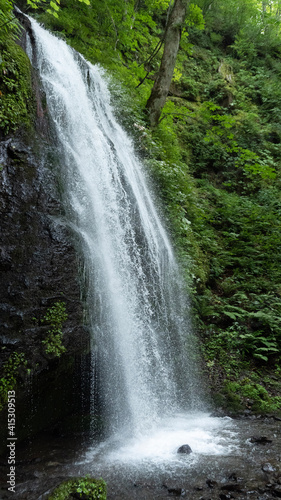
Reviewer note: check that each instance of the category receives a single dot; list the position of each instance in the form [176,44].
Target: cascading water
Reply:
[137,309]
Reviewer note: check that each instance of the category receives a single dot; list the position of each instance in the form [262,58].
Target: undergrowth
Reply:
[84,488]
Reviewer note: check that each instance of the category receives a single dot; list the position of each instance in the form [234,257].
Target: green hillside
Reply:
[214,159]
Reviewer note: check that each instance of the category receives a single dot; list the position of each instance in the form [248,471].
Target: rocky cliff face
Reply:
[39,267]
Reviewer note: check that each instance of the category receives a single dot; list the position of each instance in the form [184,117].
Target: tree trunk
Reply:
[162,83]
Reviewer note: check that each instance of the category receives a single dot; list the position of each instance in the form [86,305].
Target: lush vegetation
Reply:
[16,100]
[84,488]
[214,157]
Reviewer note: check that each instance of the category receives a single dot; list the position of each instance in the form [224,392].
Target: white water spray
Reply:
[137,310]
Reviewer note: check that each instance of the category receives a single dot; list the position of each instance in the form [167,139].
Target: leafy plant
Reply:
[52,6]
[9,26]
[10,372]
[16,100]
[84,487]
[55,317]
[256,395]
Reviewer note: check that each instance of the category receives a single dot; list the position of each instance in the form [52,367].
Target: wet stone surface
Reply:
[252,471]
[38,268]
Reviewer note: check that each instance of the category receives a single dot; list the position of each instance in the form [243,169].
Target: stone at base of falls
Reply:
[260,440]
[267,467]
[185,448]
[175,491]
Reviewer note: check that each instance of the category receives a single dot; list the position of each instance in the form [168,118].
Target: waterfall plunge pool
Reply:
[148,468]
[158,445]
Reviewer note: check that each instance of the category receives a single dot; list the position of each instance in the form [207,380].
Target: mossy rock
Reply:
[83,488]
[249,394]
[16,95]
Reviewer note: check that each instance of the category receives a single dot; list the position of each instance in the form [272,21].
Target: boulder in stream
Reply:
[185,448]
[260,440]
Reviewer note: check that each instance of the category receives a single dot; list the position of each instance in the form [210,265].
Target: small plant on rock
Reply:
[9,375]
[84,488]
[55,317]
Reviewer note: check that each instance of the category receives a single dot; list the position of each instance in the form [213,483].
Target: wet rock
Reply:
[232,487]
[218,412]
[276,490]
[38,474]
[38,267]
[260,440]
[177,492]
[267,467]
[225,496]
[17,150]
[270,483]
[4,494]
[211,483]
[25,22]
[185,448]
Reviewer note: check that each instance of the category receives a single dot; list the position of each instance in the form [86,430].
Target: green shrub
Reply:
[84,488]
[256,394]
[16,98]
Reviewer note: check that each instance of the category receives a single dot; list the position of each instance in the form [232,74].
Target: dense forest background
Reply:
[214,158]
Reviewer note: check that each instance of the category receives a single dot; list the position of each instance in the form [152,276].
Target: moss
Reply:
[9,377]
[252,395]
[55,317]
[16,97]
[85,488]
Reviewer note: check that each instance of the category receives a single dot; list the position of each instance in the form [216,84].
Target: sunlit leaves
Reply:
[223,131]
[8,23]
[52,7]
[195,16]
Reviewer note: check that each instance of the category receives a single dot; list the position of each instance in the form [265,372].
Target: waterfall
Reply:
[138,312]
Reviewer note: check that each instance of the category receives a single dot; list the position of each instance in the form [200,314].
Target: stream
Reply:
[225,462]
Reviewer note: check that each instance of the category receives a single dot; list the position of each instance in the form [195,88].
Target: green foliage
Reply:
[10,372]
[55,317]
[52,7]
[195,16]
[16,101]
[228,18]
[84,487]
[255,394]
[9,26]
[113,32]
[243,304]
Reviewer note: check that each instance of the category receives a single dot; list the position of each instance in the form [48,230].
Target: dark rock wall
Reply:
[38,262]
[38,267]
